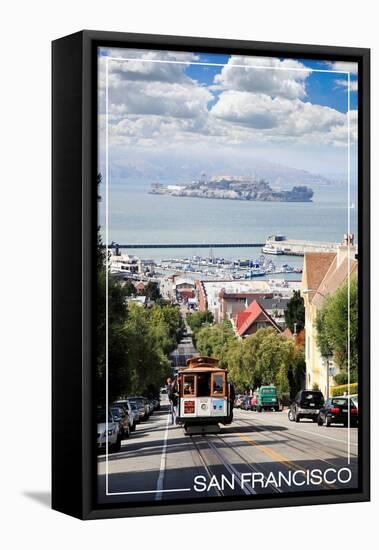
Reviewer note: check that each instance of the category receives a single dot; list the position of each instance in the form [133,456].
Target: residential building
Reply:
[124,263]
[230,304]
[252,319]
[177,287]
[227,298]
[323,274]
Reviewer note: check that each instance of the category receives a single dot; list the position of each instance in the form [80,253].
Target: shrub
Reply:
[344,388]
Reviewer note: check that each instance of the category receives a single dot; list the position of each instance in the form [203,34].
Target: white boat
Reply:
[271,249]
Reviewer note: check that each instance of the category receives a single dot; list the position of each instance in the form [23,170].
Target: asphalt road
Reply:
[259,453]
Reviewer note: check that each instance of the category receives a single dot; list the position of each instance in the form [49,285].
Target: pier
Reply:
[275,244]
[189,245]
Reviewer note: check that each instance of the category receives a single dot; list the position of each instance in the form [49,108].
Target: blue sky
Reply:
[168,114]
[321,87]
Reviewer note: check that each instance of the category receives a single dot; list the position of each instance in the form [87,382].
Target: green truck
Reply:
[267,398]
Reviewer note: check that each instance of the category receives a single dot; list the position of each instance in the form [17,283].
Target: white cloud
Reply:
[345,66]
[156,107]
[147,87]
[272,76]
[345,84]
[282,119]
[157,98]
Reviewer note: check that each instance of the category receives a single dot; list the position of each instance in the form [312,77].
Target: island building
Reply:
[323,274]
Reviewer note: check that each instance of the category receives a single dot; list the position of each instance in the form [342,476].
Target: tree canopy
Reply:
[332,325]
[262,358]
[199,318]
[139,339]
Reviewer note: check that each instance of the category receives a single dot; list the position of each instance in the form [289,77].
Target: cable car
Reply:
[205,397]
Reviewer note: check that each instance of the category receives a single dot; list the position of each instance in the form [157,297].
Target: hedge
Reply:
[344,388]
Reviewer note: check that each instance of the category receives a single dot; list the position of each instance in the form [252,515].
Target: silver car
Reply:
[107,432]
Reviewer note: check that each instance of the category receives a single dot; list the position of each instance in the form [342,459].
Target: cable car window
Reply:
[189,385]
[203,385]
[218,382]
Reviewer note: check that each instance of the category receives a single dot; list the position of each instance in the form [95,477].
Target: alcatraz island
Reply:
[234,188]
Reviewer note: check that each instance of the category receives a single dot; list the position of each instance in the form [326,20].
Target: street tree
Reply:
[295,312]
[198,319]
[215,341]
[129,288]
[151,291]
[338,314]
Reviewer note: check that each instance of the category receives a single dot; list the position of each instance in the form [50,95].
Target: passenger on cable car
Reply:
[188,388]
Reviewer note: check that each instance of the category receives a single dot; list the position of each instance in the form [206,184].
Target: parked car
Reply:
[336,410]
[139,407]
[113,435]
[267,398]
[148,406]
[141,401]
[307,404]
[132,414]
[151,405]
[156,403]
[355,400]
[245,405]
[121,416]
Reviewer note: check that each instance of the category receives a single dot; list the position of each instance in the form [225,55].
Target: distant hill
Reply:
[170,171]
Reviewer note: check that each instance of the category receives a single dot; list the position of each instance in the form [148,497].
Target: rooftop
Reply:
[316,265]
[246,318]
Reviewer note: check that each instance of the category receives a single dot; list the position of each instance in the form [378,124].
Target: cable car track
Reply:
[204,463]
[258,429]
[295,440]
[254,469]
[229,467]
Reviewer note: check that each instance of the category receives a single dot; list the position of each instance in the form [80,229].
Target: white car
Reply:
[113,436]
[132,413]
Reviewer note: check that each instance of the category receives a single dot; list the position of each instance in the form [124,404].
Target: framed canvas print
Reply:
[210,274]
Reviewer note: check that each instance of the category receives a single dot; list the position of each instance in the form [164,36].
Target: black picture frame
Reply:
[74,208]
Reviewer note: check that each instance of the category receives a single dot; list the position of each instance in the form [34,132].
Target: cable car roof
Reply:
[204,364]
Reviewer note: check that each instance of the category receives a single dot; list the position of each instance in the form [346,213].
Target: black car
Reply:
[336,411]
[307,404]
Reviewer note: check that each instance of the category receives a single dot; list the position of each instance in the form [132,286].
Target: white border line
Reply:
[106,271]
[158,491]
[176,62]
[162,468]
[348,269]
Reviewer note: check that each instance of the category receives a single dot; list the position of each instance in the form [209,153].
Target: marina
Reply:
[213,267]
